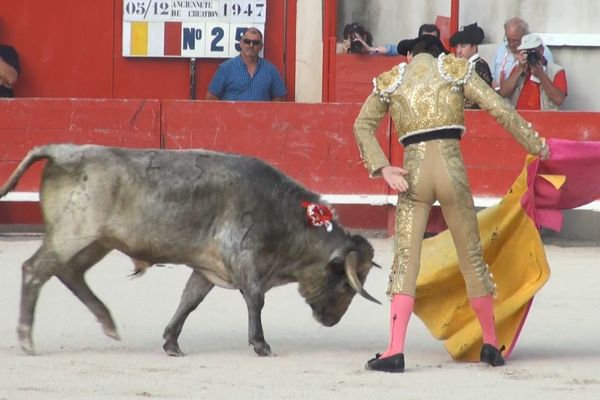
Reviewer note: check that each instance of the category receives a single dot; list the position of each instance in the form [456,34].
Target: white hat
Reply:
[530,41]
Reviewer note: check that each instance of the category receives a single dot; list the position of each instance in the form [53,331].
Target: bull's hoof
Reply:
[24,334]
[27,346]
[262,349]
[111,332]
[172,349]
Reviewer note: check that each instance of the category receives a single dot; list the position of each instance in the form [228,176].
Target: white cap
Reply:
[530,41]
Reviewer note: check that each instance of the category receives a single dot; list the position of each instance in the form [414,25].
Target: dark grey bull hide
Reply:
[236,221]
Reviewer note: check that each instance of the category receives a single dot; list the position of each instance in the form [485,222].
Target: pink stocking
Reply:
[400,312]
[484,308]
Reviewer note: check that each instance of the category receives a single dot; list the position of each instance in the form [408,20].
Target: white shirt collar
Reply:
[474,57]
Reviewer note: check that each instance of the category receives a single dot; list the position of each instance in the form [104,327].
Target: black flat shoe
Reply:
[491,355]
[393,363]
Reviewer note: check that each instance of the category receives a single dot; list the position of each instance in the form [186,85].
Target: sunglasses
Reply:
[252,42]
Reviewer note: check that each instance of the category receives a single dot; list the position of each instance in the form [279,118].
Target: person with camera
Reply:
[357,40]
[534,83]
[351,44]
[506,54]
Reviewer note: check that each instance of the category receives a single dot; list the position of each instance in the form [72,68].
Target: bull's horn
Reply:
[350,267]
[376,265]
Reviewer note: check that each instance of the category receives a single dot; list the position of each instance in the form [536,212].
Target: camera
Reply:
[533,57]
[355,46]
[352,32]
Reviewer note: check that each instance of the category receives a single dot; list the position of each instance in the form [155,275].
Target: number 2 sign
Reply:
[209,29]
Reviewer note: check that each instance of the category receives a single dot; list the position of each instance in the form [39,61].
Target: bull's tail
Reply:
[38,153]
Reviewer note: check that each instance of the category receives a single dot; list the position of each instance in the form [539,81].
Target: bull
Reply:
[235,220]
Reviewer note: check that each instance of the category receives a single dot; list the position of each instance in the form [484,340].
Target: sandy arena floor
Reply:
[557,357]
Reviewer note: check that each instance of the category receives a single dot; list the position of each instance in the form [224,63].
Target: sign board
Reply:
[188,28]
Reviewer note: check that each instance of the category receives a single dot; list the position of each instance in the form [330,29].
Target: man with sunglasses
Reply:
[247,77]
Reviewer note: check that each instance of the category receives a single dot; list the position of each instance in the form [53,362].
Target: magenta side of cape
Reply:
[579,162]
[511,346]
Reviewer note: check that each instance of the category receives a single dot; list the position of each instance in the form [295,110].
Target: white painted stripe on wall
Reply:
[381,200]
[21,196]
[126,39]
[571,39]
[156,39]
[368,199]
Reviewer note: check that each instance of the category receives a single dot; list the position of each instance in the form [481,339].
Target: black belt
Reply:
[448,133]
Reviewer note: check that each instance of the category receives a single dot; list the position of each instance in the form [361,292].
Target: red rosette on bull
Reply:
[318,215]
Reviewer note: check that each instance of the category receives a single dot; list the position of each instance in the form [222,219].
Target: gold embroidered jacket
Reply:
[428,94]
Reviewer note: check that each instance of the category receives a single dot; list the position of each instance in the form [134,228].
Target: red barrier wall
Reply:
[352,75]
[25,124]
[313,143]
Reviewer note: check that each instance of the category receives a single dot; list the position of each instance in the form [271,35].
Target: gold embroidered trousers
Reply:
[437,172]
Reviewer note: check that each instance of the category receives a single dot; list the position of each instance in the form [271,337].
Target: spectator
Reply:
[9,70]
[466,42]
[357,40]
[429,29]
[350,45]
[535,83]
[425,100]
[247,77]
[386,49]
[404,46]
[505,58]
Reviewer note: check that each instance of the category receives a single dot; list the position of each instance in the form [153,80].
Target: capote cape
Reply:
[512,247]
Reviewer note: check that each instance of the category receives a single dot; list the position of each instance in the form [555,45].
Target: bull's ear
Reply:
[334,213]
[336,260]
[338,256]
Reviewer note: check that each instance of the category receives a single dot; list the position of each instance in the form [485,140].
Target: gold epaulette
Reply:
[387,83]
[455,70]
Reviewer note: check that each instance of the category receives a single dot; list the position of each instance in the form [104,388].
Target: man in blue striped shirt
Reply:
[247,77]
